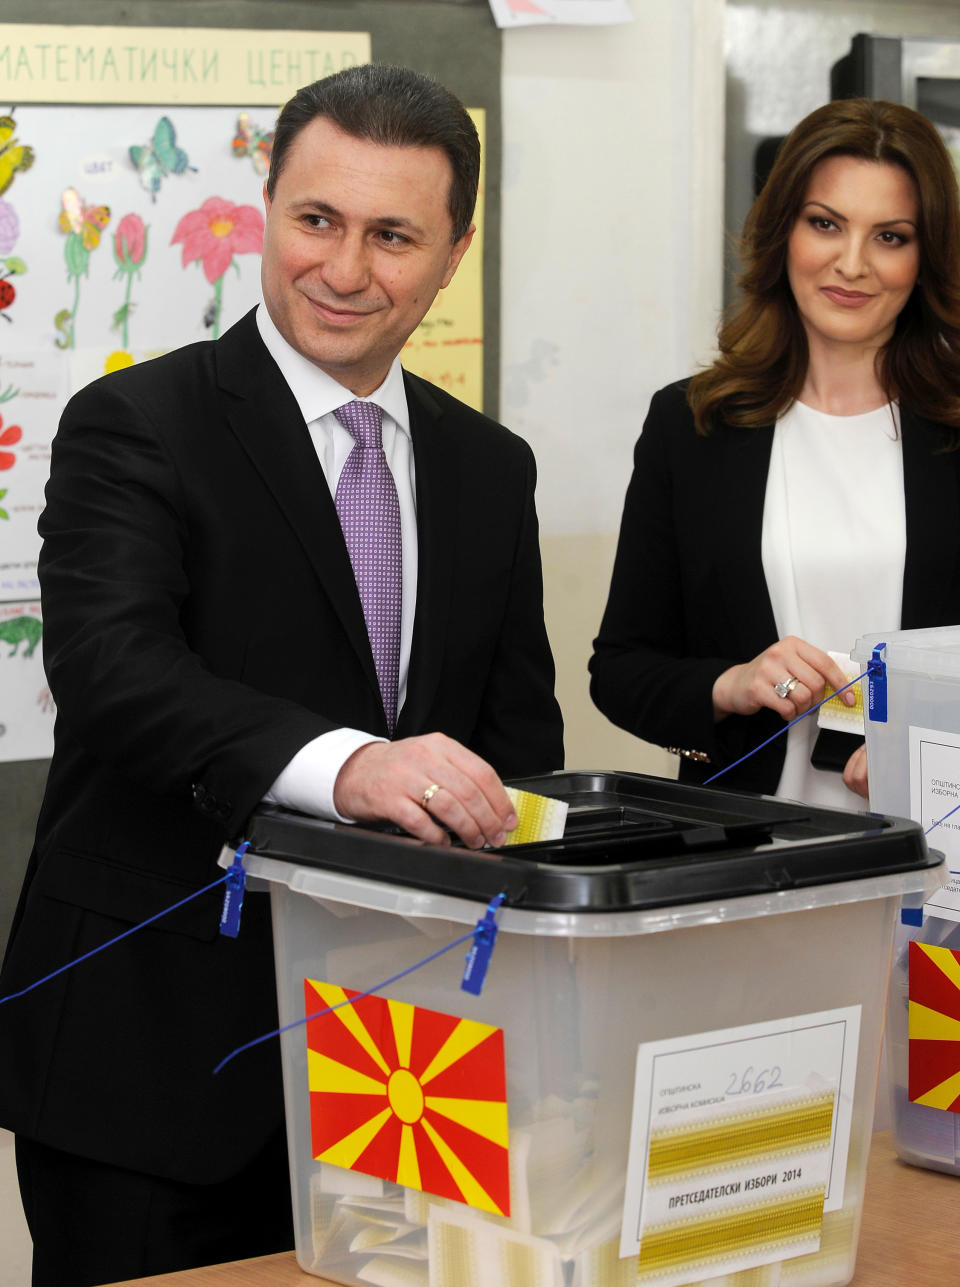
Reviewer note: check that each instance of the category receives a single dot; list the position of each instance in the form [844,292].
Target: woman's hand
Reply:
[745,689]
[855,773]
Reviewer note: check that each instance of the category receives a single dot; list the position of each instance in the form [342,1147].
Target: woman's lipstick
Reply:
[845,298]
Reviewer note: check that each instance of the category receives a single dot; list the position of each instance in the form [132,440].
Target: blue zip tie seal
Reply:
[481,949]
[235,883]
[877,686]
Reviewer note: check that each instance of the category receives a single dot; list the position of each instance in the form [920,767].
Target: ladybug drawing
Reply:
[7,295]
[9,267]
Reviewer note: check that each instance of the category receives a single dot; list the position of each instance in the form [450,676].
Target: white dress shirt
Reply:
[307,781]
[834,543]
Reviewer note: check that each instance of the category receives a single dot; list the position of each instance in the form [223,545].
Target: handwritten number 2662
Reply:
[749,1083]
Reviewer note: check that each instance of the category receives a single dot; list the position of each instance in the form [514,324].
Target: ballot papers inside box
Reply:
[679,1031]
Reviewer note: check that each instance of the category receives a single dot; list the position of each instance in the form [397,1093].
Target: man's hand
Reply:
[388,780]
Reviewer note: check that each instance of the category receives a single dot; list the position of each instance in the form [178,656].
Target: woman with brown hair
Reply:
[805,488]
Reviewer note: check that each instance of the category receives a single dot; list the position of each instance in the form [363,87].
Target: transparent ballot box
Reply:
[913,752]
[921,720]
[669,1073]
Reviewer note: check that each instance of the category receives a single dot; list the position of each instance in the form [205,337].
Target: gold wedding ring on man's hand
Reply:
[786,686]
[428,795]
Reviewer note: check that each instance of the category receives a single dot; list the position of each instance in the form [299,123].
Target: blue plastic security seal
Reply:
[233,894]
[481,949]
[877,686]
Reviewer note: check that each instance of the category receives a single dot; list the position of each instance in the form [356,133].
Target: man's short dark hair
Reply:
[394,106]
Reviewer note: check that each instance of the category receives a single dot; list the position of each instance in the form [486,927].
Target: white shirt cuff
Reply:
[307,783]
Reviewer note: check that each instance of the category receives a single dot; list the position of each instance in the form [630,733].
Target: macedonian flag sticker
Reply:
[934,1027]
[410,1095]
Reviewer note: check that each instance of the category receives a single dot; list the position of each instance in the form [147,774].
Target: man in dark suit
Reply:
[208,648]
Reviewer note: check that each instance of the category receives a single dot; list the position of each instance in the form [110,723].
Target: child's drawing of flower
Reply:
[129,252]
[9,227]
[213,235]
[130,243]
[7,439]
[82,224]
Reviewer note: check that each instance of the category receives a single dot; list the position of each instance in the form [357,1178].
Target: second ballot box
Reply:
[913,750]
[669,1073]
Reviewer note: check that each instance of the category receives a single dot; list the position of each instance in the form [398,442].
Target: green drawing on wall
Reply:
[17,630]
[159,158]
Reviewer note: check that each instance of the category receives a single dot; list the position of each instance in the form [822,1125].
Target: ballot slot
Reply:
[631,841]
[610,833]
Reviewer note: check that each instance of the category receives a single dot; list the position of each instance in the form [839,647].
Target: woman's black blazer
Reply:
[688,597]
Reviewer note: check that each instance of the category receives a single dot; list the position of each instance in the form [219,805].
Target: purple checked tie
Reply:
[369,511]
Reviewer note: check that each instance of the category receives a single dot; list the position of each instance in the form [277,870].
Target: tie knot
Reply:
[363,421]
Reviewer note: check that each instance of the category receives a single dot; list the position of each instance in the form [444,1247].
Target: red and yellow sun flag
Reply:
[411,1095]
[934,1027]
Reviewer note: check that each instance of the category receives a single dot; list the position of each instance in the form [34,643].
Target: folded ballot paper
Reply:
[540,817]
[834,713]
[566,1207]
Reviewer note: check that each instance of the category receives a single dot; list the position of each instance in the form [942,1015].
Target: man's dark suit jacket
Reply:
[201,624]
[688,597]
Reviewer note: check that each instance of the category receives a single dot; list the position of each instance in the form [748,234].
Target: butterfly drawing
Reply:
[159,158]
[251,141]
[86,221]
[14,156]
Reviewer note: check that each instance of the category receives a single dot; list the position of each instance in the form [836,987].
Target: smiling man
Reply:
[359,240]
[275,567]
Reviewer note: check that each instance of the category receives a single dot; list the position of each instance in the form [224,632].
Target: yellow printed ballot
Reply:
[834,713]
[540,817]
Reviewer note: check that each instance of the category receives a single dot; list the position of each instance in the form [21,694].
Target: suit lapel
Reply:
[435,453]
[932,519]
[266,420]
[741,489]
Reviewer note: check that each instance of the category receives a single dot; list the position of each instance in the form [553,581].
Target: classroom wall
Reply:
[611,286]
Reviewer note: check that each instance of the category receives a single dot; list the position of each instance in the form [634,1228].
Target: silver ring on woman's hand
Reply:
[786,686]
[428,795]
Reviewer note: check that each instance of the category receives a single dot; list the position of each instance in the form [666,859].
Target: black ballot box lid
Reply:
[632,842]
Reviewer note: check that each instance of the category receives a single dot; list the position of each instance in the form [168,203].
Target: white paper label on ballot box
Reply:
[934,792]
[738,1145]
